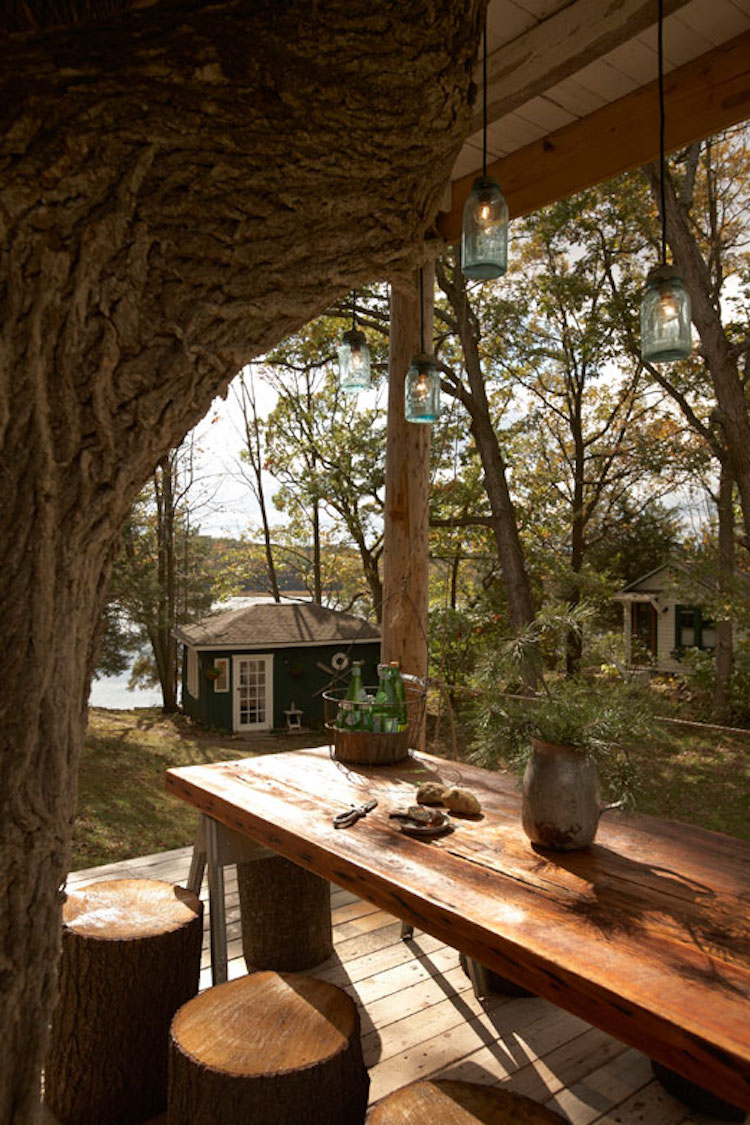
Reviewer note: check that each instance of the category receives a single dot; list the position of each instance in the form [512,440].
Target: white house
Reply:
[660,623]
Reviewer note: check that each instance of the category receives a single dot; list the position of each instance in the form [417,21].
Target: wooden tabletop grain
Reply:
[646,933]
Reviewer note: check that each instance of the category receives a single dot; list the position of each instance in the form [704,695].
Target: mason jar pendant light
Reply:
[665,308]
[354,356]
[484,239]
[422,395]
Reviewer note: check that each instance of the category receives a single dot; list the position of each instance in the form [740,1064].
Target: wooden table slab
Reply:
[645,934]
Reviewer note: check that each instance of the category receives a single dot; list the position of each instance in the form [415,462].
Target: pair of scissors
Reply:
[352,815]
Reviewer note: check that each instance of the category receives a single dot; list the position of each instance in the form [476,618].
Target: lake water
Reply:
[112,692]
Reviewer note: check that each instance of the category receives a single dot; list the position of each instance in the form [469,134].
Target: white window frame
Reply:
[192,672]
[221,683]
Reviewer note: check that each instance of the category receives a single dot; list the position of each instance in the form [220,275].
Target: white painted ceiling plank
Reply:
[682,43]
[717,21]
[575,98]
[604,80]
[512,132]
[637,60]
[545,113]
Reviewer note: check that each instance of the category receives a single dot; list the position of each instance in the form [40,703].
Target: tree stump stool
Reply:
[451,1102]
[286,915]
[131,953]
[267,1048]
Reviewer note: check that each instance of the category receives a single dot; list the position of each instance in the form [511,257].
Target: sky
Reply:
[231,507]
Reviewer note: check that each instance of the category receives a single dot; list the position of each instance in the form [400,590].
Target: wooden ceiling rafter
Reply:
[702,97]
[558,47]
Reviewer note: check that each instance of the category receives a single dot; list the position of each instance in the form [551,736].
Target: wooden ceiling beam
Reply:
[558,47]
[702,97]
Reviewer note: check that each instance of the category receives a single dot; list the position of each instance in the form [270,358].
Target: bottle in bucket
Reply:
[385,706]
[351,713]
[399,691]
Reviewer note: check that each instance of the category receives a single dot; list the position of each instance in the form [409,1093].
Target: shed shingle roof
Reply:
[272,624]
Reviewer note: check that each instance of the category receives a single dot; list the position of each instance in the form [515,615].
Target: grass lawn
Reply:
[123,808]
[701,777]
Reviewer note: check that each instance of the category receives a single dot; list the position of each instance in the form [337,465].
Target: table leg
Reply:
[198,860]
[216,904]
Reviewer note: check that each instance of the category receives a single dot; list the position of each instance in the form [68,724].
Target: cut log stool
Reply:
[285,910]
[130,958]
[270,1047]
[459,1103]
[286,915]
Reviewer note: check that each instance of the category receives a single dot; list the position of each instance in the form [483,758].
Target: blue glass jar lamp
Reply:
[354,357]
[422,388]
[665,307]
[484,235]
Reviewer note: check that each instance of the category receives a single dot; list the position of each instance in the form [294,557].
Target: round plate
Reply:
[443,825]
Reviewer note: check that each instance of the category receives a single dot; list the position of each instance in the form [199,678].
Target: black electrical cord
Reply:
[662,120]
[484,100]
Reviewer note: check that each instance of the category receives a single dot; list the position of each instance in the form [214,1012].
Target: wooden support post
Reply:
[407,490]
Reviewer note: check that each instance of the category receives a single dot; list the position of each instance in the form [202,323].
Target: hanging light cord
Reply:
[354,309]
[421,310]
[484,100]
[662,120]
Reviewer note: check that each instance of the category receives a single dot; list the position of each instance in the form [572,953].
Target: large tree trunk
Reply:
[724,637]
[504,526]
[180,189]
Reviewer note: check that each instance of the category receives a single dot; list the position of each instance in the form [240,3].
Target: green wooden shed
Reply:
[265,666]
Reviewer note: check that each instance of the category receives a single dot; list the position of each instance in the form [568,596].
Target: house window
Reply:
[221,683]
[192,672]
[692,629]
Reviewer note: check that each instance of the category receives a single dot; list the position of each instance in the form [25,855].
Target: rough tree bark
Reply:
[724,631]
[504,526]
[181,185]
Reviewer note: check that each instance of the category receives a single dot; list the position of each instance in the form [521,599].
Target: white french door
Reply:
[253,692]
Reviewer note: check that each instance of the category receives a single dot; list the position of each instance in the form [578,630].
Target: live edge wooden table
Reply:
[646,933]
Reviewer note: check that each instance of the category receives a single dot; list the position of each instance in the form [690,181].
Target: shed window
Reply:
[192,672]
[221,683]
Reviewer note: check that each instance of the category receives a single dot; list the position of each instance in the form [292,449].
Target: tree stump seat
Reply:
[286,915]
[130,958]
[452,1102]
[268,1048]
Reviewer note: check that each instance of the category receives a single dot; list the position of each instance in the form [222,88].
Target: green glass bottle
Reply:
[355,695]
[399,691]
[385,706]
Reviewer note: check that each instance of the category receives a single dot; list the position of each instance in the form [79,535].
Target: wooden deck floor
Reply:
[420,1017]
